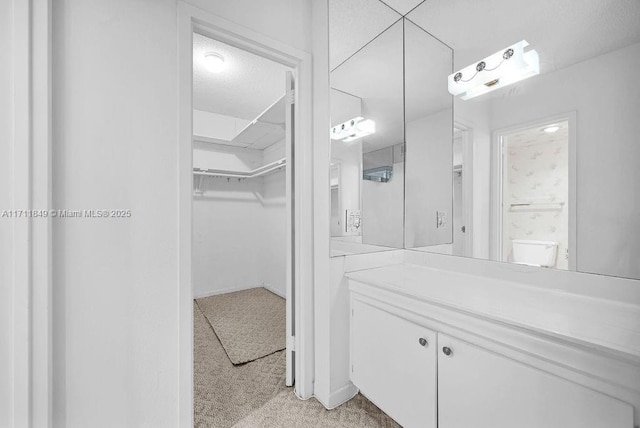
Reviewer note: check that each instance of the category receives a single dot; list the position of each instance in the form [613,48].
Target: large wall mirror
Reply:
[367,120]
[521,134]
[386,101]
[545,169]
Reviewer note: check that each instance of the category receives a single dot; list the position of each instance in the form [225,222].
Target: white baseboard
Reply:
[226,290]
[341,396]
[274,290]
[232,289]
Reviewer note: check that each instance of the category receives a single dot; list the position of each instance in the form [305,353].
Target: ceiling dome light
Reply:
[214,62]
[551,129]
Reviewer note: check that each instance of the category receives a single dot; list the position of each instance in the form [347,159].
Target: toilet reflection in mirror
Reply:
[552,177]
[534,195]
[458,101]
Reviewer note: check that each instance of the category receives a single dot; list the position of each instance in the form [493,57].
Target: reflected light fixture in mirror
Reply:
[501,69]
[580,181]
[353,129]
[367,85]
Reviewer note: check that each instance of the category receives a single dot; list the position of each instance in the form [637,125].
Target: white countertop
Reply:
[597,322]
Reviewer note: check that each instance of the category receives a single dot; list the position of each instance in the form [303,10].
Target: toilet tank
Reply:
[535,253]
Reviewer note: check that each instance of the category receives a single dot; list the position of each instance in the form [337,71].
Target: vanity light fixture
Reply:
[551,129]
[214,62]
[503,68]
[353,129]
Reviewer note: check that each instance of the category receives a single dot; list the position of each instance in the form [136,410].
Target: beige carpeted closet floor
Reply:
[253,395]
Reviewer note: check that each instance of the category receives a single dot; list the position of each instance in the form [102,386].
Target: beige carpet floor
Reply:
[285,410]
[249,323]
[254,394]
[224,393]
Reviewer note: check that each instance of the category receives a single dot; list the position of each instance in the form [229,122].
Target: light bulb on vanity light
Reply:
[501,69]
[214,62]
[353,129]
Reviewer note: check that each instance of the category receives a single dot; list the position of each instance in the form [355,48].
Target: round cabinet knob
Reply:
[447,351]
[423,341]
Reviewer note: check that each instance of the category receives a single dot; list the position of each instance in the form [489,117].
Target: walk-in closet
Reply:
[239,253]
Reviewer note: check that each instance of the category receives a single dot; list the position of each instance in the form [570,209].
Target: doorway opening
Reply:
[536,195]
[242,236]
[299,182]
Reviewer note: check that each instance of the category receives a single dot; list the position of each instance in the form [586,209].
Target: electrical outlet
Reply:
[441,219]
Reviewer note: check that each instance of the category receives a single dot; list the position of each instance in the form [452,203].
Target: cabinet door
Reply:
[478,388]
[393,362]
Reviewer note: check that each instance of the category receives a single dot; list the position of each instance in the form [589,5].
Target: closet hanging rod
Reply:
[536,206]
[258,172]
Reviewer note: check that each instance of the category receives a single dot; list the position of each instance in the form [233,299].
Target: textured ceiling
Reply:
[246,88]
[353,24]
[402,6]
[428,62]
[536,135]
[563,32]
[375,75]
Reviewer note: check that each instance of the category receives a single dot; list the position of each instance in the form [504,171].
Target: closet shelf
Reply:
[266,129]
[258,172]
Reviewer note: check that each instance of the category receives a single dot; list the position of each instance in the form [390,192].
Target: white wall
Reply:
[322,203]
[474,115]
[228,237]
[6,348]
[349,156]
[289,20]
[239,226]
[383,206]
[607,103]
[115,281]
[428,182]
[115,344]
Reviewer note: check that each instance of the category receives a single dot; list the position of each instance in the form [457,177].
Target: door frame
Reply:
[497,177]
[467,185]
[190,19]
[30,267]
[337,165]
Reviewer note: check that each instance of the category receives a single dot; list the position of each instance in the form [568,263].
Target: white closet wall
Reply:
[239,236]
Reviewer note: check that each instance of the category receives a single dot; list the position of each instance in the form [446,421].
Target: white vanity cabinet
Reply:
[481,389]
[393,362]
[429,363]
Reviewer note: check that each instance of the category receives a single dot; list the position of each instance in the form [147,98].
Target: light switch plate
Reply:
[354,221]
